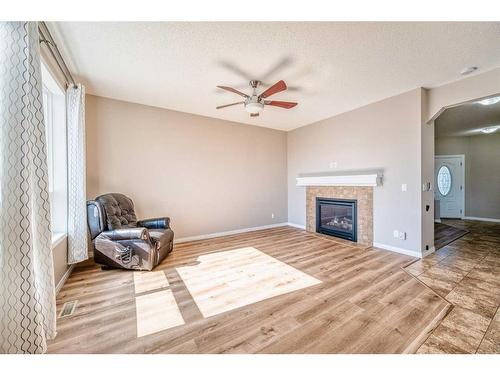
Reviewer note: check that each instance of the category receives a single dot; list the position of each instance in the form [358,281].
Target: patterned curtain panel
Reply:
[27,293]
[77,217]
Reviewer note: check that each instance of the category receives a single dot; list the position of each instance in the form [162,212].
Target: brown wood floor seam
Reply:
[487,329]
[435,323]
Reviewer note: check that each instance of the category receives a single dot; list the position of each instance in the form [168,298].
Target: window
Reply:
[444,180]
[54,112]
[47,117]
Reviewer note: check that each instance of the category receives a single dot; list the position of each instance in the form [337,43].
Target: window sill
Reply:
[57,238]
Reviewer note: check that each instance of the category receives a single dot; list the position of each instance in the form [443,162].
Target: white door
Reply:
[449,185]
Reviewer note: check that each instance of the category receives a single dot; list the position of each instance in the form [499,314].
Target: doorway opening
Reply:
[466,165]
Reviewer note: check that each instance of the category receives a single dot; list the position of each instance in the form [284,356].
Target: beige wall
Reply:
[60,256]
[208,175]
[482,171]
[383,135]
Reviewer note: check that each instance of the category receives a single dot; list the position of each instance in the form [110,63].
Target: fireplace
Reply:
[337,217]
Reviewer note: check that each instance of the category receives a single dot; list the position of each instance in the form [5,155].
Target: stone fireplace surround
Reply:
[356,185]
[364,197]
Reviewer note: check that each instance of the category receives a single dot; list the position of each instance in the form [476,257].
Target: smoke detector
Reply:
[469,70]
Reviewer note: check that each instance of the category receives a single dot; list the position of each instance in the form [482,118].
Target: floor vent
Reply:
[68,309]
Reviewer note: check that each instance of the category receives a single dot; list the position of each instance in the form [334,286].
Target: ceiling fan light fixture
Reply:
[254,107]
[490,129]
[490,101]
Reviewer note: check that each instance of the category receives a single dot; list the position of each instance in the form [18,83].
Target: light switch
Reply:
[404,187]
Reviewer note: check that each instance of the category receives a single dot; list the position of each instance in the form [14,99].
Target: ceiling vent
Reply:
[469,70]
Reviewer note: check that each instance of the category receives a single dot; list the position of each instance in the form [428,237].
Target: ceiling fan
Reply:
[254,104]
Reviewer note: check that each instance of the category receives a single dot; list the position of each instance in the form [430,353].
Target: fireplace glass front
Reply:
[337,217]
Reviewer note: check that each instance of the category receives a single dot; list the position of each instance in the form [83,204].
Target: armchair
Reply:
[120,240]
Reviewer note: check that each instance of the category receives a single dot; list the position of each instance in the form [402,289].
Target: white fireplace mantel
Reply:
[341,180]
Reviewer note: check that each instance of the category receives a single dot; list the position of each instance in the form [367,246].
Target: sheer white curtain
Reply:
[77,219]
[27,293]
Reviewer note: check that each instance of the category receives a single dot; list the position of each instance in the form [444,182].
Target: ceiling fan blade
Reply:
[228,105]
[275,69]
[236,70]
[254,114]
[233,90]
[277,87]
[276,103]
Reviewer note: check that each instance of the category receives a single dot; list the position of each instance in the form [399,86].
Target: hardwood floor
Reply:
[467,274]
[445,234]
[363,300]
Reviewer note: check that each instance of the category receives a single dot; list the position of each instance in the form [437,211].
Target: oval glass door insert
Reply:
[444,180]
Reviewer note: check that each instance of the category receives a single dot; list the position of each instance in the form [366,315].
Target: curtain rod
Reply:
[46,37]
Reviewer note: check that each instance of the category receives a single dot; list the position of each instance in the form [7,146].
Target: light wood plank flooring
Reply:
[467,274]
[335,298]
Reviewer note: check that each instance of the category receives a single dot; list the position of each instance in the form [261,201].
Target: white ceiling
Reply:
[467,119]
[331,67]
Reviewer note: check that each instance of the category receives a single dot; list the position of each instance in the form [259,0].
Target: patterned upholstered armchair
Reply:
[120,240]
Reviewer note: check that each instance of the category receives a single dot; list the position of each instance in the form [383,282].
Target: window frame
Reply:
[54,108]
[49,131]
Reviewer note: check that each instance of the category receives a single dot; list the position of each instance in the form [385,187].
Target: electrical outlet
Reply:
[402,235]
[396,233]
[404,187]
[272,216]
[333,164]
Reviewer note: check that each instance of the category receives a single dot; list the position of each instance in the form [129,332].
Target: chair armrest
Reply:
[156,223]
[126,234]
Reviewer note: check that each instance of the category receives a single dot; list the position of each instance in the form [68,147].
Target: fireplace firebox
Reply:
[337,217]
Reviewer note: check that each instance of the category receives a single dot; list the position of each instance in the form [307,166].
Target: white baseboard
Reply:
[300,226]
[482,219]
[429,252]
[64,278]
[227,233]
[397,249]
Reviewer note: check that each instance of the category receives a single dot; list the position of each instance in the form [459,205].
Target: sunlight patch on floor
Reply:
[157,312]
[146,281]
[230,279]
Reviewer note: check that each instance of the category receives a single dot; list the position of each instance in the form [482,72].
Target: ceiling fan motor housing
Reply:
[254,83]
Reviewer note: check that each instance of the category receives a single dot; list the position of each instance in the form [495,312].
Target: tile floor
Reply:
[467,274]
